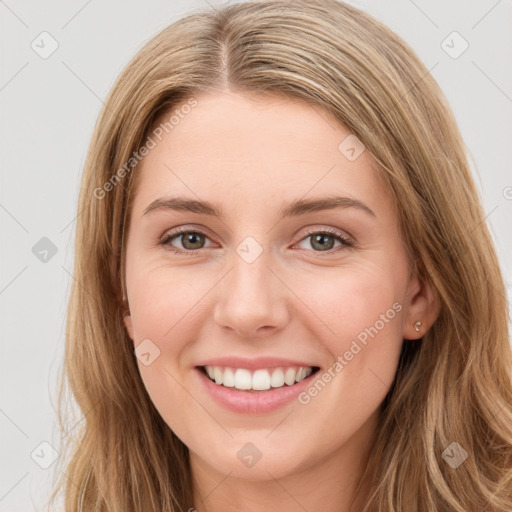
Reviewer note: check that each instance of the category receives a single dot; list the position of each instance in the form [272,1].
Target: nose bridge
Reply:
[251,272]
[251,295]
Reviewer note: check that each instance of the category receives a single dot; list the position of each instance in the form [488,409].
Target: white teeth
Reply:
[277,379]
[218,375]
[289,376]
[300,375]
[259,380]
[229,378]
[243,379]
[303,373]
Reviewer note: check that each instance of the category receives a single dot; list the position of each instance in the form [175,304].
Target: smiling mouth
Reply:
[263,379]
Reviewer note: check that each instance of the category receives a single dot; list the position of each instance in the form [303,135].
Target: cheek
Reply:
[163,318]
[347,302]
[357,317]
[163,312]
[162,299]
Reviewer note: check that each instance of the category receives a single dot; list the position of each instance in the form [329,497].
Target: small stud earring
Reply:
[417,326]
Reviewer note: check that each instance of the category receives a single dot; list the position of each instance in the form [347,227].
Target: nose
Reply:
[251,299]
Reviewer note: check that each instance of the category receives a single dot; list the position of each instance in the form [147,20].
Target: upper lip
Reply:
[254,363]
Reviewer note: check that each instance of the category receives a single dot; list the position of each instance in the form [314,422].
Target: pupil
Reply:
[321,237]
[192,238]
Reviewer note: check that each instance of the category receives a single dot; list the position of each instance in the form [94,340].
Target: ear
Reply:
[127,319]
[421,304]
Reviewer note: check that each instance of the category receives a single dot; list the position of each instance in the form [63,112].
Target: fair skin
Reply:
[251,155]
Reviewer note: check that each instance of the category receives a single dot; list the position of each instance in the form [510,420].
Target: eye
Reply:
[324,240]
[193,240]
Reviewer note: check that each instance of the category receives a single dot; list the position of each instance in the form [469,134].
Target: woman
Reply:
[287,297]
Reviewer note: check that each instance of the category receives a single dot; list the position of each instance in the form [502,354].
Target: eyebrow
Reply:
[293,209]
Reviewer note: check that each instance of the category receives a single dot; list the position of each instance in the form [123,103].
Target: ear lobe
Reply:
[127,319]
[423,306]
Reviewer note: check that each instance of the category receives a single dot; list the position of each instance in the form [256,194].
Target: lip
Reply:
[253,402]
[253,363]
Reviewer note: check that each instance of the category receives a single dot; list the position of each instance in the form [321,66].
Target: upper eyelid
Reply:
[335,232]
[180,230]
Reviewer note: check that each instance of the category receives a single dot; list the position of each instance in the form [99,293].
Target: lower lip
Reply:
[253,402]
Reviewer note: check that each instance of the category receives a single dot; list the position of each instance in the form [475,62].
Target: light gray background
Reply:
[49,107]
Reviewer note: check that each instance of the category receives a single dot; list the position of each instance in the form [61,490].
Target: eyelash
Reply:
[345,242]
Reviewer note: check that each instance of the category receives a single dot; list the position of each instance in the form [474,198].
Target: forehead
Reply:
[248,148]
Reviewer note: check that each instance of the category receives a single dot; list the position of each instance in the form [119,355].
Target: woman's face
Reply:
[266,285]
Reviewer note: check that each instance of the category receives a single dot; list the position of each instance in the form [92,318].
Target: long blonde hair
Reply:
[453,386]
